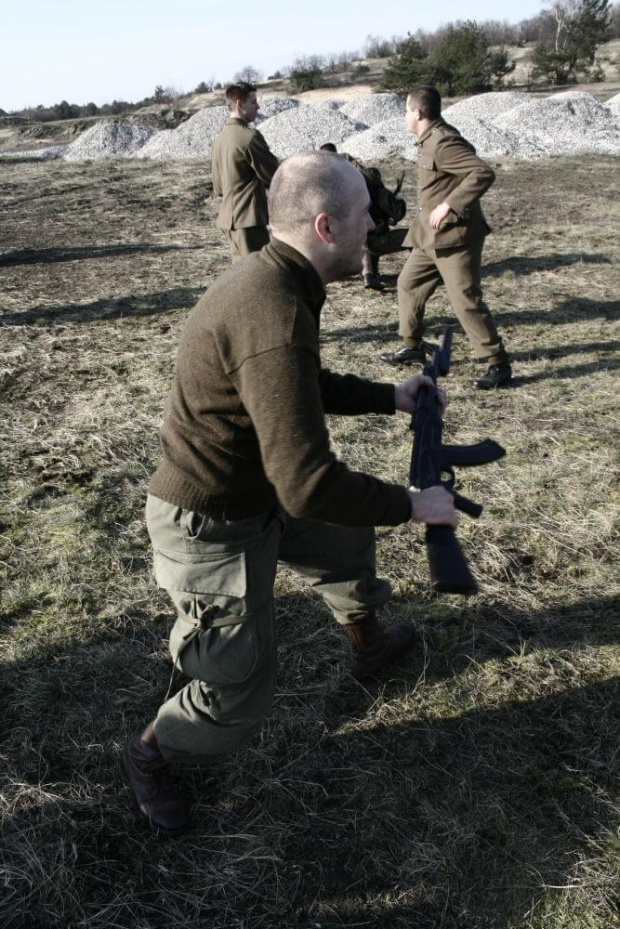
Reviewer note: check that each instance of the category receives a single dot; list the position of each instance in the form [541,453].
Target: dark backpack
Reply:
[386,209]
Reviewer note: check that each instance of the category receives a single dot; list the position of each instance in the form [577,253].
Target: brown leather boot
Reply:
[375,648]
[144,769]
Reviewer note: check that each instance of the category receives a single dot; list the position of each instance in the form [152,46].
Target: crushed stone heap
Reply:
[371,128]
[192,139]
[306,128]
[108,140]
[614,105]
[48,153]
[374,108]
[383,140]
[570,123]
[490,140]
[271,106]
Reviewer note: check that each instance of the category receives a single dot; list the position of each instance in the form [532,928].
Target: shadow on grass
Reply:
[371,805]
[565,351]
[52,255]
[576,310]
[140,305]
[522,265]
[525,264]
[569,372]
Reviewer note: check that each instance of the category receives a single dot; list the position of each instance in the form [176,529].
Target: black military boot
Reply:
[497,375]
[405,355]
[144,770]
[372,281]
[375,648]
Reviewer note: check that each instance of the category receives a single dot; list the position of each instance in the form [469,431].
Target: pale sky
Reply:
[101,50]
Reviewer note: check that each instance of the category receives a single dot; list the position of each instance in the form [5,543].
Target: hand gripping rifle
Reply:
[450,572]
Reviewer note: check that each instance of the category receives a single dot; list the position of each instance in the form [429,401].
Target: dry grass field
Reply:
[476,785]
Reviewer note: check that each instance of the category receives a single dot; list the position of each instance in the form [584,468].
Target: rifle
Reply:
[450,572]
[399,184]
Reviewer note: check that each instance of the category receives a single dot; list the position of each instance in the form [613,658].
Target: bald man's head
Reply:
[308,184]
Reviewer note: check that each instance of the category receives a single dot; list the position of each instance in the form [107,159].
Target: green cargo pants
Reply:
[220,575]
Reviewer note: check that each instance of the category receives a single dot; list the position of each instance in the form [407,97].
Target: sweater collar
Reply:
[304,272]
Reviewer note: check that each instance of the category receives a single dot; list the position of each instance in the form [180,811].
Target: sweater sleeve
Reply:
[455,156]
[294,444]
[350,395]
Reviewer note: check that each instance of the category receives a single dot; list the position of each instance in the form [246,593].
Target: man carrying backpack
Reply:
[386,210]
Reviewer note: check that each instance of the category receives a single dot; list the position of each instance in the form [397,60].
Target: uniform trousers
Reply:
[220,576]
[459,269]
[244,241]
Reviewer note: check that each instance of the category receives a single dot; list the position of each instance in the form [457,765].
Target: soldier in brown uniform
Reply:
[242,166]
[386,210]
[447,237]
[248,478]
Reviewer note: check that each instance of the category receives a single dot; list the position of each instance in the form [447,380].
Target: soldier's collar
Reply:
[304,271]
[427,133]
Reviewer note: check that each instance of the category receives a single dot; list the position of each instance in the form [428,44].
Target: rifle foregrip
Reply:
[449,570]
[467,506]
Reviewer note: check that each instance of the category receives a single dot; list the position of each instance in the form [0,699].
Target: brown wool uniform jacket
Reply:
[242,166]
[450,170]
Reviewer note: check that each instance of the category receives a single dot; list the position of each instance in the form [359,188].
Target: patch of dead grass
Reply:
[475,787]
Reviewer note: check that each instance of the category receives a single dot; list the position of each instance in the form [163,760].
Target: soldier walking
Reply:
[248,478]
[242,167]
[447,237]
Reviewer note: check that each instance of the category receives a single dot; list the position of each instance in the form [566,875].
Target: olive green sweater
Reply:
[245,424]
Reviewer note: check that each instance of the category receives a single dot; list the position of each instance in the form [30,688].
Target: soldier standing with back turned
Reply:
[242,166]
[447,237]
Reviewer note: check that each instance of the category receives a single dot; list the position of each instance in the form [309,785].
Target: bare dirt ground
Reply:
[476,785]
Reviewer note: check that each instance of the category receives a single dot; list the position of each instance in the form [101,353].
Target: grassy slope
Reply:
[474,787]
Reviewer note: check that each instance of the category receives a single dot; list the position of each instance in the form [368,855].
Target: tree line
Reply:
[463,57]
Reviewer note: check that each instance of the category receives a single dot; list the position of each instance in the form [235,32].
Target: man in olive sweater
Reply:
[248,479]
[242,166]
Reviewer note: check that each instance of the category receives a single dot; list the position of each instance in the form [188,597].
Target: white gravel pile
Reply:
[192,139]
[49,153]
[484,106]
[384,140]
[614,105]
[271,106]
[327,104]
[108,140]
[490,140]
[374,108]
[371,128]
[306,128]
[571,123]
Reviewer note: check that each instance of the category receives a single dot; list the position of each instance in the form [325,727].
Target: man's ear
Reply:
[324,227]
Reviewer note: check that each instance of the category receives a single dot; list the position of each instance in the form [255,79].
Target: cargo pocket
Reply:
[214,583]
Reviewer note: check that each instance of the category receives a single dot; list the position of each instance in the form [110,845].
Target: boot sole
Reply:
[407,364]
[136,808]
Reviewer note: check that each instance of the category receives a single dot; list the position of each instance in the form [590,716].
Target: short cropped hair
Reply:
[427,100]
[307,184]
[236,92]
